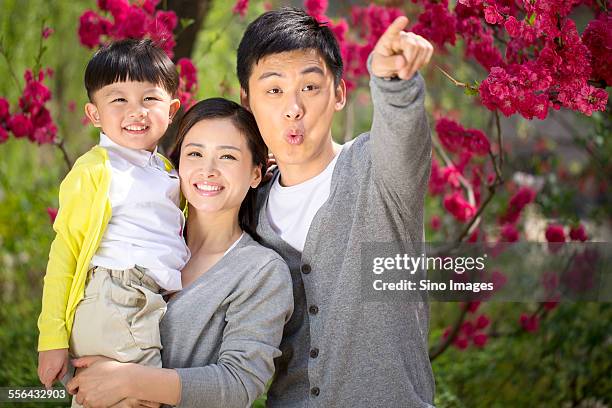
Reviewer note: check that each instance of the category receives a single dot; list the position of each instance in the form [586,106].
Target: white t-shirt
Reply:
[146,223]
[292,209]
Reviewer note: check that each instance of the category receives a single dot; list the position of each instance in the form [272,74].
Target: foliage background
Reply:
[565,363]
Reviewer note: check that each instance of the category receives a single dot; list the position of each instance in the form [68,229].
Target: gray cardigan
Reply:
[221,333]
[341,349]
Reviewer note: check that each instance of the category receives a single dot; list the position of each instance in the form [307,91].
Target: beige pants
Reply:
[119,318]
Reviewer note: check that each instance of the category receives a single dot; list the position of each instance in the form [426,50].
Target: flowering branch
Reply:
[4,53]
[469,88]
[434,352]
[449,163]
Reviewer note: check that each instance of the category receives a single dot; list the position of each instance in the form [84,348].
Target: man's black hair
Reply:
[286,29]
[133,60]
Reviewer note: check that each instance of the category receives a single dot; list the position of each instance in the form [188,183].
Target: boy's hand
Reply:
[52,365]
[398,53]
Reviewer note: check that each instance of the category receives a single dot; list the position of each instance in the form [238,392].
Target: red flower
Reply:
[455,138]
[598,38]
[437,23]
[436,179]
[150,5]
[509,233]
[482,322]
[4,109]
[467,328]
[3,135]
[188,74]
[461,343]
[316,8]
[550,305]
[20,125]
[555,233]
[472,306]
[480,339]
[241,7]
[91,27]
[435,223]
[529,323]
[132,24]
[458,206]
[46,32]
[578,233]
[519,200]
[52,214]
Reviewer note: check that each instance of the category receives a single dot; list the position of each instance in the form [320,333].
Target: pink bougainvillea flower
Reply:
[555,233]
[4,109]
[529,323]
[47,32]
[461,343]
[482,322]
[3,134]
[480,340]
[20,125]
[435,222]
[241,7]
[578,233]
[509,233]
[455,138]
[52,213]
[91,28]
[458,206]
[597,36]
[316,8]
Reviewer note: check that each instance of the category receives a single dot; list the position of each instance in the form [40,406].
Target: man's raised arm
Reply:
[401,152]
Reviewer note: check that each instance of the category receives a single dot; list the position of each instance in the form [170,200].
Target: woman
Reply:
[222,330]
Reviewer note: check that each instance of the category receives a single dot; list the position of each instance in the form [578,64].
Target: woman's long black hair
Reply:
[220,108]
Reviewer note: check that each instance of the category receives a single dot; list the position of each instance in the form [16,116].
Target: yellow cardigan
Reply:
[84,212]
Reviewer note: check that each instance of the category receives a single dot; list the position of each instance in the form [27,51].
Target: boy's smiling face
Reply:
[132,114]
[293,98]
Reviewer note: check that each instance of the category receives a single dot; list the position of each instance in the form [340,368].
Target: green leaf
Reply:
[531,19]
[186,22]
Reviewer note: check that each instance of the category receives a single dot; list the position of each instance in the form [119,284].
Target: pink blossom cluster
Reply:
[437,23]
[32,119]
[188,82]
[370,23]
[520,199]
[464,144]
[141,20]
[529,323]
[546,63]
[137,20]
[241,7]
[456,204]
[598,38]
[455,138]
[556,233]
[471,331]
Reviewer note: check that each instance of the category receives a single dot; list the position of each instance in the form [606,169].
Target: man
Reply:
[326,200]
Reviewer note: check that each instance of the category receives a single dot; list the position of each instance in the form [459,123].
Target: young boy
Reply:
[118,241]
[326,202]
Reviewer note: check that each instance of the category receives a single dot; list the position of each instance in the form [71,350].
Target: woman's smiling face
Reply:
[216,166]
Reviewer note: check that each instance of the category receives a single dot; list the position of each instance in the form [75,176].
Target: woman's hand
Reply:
[100,382]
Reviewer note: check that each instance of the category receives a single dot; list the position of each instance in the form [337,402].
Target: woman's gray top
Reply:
[221,332]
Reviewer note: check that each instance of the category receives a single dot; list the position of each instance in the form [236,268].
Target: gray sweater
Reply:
[341,349]
[222,331]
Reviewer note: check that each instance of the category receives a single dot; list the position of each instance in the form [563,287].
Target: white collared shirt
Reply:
[146,223]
